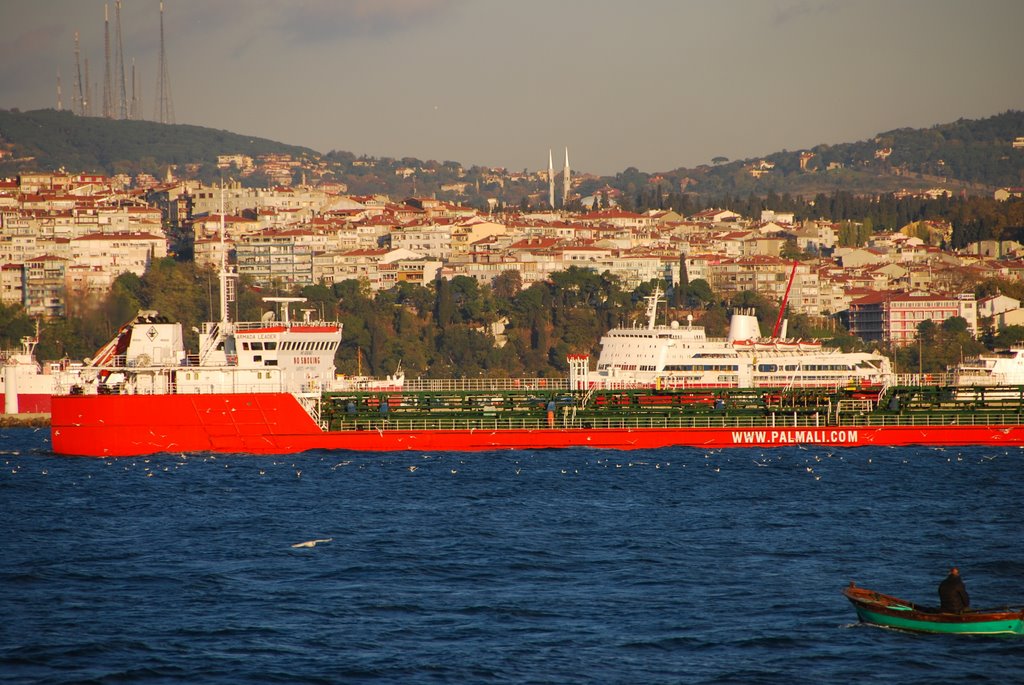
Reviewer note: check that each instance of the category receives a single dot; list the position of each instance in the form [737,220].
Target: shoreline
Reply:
[24,420]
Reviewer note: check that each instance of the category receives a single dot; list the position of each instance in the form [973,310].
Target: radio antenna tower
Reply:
[119,63]
[164,106]
[108,92]
[78,95]
[90,94]
[135,111]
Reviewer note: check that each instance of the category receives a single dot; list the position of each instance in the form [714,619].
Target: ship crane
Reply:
[785,301]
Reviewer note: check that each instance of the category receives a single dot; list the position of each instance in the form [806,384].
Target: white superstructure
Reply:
[1003,367]
[681,356]
[276,354]
[25,384]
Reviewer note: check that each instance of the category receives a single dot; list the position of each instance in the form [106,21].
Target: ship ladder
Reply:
[311,403]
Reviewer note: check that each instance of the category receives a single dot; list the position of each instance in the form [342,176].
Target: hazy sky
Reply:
[653,84]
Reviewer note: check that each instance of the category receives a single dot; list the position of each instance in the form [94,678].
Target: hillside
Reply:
[47,140]
[973,156]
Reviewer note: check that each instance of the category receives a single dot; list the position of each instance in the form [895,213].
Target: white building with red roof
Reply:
[117,253]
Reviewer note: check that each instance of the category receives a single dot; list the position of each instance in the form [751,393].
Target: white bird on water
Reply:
[312,543]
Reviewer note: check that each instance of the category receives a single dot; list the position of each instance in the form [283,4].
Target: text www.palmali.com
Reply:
[793,437]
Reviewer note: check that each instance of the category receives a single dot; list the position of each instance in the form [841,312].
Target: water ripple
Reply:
[579,566]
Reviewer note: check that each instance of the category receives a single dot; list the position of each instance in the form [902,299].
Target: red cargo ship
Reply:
[269,387]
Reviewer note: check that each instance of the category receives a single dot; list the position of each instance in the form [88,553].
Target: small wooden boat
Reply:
[892,612]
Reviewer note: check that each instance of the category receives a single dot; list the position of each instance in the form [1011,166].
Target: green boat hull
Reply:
[997,627]
[892,612]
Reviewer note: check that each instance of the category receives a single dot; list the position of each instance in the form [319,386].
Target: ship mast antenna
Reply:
[227,278]
[652,307]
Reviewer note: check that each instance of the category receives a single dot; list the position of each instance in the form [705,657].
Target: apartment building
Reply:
[12,284]
[284,257]
[117,253]
[430,239]
[895,317]
[44,287]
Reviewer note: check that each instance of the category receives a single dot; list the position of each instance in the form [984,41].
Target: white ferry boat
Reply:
[683,356]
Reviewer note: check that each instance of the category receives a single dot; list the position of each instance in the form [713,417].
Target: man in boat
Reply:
[952,593]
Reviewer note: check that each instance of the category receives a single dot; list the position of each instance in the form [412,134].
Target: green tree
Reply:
[14,324]
[507,284]
[321,299]
[699,293]
[444,309]
[1009,336]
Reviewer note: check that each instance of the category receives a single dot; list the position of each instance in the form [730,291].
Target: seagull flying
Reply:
[312,543]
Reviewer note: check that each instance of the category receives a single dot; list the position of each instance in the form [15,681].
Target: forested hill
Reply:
[46,140]
[975,155]
[970,155]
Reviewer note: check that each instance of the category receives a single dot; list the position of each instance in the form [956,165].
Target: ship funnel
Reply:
[744,326]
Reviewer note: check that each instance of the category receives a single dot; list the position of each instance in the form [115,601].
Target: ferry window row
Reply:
[702,367]
[772,368]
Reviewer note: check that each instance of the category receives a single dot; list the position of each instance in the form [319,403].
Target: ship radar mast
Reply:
[227,278]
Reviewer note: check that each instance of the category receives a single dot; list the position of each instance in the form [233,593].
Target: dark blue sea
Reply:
[577,566]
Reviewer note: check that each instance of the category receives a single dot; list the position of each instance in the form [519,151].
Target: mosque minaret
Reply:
[566,179]
[566,174]
[551,180]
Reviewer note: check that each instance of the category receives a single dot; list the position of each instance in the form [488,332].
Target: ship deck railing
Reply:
[924,379]
[775,420]
[470,384]
[600,383]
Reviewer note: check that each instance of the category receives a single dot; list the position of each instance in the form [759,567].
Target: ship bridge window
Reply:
[257,346]
[270,345]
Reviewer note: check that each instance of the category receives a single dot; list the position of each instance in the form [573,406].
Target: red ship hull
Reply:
[34,403]
[275,423]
